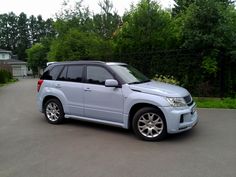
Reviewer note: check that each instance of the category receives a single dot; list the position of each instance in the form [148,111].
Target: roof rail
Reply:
[50,63]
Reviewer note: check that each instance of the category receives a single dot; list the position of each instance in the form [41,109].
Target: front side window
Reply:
[129,74]
[97,75]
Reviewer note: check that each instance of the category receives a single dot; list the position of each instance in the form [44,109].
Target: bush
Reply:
[5,76]
[166,79]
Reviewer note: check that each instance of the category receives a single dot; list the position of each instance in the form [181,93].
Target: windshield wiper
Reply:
[140,82]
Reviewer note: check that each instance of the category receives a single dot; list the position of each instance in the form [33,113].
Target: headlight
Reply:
[177,102]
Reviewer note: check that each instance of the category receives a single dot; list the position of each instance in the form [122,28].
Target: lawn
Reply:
[11,81]
[226,103]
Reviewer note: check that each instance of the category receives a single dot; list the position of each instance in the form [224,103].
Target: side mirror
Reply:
[111,83]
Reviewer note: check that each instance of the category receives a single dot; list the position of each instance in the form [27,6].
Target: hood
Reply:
[160,88]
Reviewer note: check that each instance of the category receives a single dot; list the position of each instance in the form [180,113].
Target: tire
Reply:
[149,124]
[53,111]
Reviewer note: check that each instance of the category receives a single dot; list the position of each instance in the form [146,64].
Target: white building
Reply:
[19,68]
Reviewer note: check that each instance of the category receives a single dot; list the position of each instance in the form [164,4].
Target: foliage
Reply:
[83,36]
[181,6]
[37,57]
[18,33]
[209,29]
[73,17]
[5,76]
[76,45]
[209,64]
[166,79]
[146,29]
[106,23]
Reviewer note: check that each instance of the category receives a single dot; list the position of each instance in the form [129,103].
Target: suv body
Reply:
[114,94]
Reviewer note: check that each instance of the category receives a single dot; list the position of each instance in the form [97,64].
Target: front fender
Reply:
[139,97]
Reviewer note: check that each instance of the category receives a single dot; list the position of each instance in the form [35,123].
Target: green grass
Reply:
[11,81]
[226,103]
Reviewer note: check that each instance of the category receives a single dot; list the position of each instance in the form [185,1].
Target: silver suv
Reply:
[114,94]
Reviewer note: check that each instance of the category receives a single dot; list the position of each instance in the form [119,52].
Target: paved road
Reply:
[30,147]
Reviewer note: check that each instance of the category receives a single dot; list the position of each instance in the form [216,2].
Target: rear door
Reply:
[71,79]
[100,102]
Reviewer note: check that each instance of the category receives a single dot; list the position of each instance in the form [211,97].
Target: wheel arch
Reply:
[139,106]
[48,97]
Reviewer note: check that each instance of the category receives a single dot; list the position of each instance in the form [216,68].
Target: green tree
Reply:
[76,45]
[37,57]
[106,23]
[78,17]
[145,30]
[208,29]
[33,29]
[17,33]
[23,41]
[181,5]
[39,28]
[8,31]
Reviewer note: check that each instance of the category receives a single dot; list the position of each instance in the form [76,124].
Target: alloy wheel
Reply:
[150,125]
[52,111]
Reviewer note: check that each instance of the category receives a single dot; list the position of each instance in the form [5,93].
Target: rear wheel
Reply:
[53,111]
[149,124]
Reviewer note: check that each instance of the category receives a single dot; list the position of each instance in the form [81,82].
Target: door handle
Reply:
[87,89]
[58,86]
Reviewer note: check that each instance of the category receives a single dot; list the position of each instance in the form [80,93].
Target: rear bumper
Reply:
[39,103]
[180,119]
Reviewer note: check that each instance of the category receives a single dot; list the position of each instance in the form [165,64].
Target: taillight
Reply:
[40,82]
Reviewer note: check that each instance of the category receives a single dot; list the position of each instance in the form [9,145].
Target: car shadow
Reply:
[98,127]
[183,136]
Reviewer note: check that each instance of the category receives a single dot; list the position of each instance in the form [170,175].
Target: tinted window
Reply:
[62,76]
[129,74]
[52,74]
[97,75]
[75,73]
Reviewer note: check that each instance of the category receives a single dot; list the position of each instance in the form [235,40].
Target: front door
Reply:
[100,102]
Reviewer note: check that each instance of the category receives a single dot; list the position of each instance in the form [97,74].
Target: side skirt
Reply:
[95,120]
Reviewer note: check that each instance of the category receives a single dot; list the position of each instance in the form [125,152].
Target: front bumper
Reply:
[180,119]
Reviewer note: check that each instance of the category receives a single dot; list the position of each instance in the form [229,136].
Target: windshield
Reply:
[129,74]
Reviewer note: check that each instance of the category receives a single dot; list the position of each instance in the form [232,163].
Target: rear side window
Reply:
[52,74]
[97,75]
[75,73]
[62,76]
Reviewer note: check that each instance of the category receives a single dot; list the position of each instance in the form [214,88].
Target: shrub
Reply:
[5,76]
[166,79]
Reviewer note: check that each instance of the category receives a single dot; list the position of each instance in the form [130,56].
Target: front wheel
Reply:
[53,111]
[149,124]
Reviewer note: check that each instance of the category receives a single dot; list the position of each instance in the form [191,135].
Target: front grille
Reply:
[188,99]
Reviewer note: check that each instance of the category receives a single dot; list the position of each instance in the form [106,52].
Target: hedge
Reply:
[5,76]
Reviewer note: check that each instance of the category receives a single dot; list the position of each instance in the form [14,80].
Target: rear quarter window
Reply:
[52,73]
